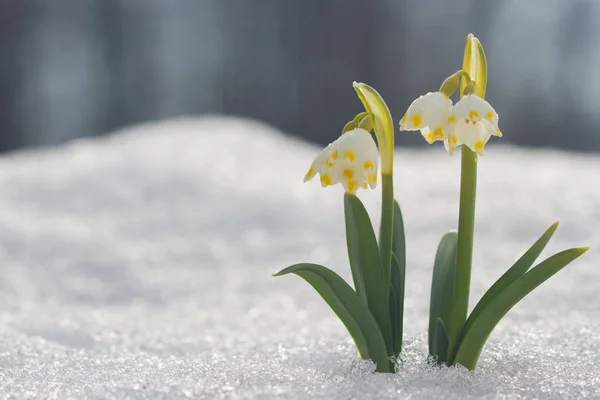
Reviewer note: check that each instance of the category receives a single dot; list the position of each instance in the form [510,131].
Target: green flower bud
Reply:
[366,123]
[450,85]
[354,123]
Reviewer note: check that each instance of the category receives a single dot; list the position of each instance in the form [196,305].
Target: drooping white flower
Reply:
[472,121]
[351,160]
[429,114]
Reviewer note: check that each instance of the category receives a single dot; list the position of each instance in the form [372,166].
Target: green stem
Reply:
[387,224]
[464,254]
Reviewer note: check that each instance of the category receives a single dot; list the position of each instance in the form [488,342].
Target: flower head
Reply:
[429,114]
[351,160]
[471,121]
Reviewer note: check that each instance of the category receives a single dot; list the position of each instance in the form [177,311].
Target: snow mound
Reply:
[139,266]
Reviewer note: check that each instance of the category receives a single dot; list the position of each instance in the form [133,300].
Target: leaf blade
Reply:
[349,308]
[476,337]
[397,279]
[383,123]
[442,290]
[440,339]
[520,267]
[366,266]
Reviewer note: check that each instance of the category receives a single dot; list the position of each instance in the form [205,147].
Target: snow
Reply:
[139,266]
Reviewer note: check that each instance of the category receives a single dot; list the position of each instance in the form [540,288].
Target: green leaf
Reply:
[350,309]
[440,339]
[516,271]
[397,304]
[382,123]
[442,286]
[397,279]
[480,68]
[365,264]
[481,328]
[467,64]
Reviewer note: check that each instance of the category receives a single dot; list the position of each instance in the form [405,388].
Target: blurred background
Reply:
[72,68]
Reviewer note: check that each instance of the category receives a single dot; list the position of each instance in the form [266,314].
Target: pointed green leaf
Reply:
[468,63]
[384,131]
[481,328]
[480,67]
[382,123]
[350,309]
[516,271]
[442,286]
[365,264]
[397,279]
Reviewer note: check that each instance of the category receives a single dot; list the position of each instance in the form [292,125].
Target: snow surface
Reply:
[139,266]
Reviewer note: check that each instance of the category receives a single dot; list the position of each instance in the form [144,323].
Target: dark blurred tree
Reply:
[72,68]
[14,18]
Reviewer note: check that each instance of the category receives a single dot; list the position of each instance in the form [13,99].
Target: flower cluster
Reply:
[373,310]
[351,160]
[470,122]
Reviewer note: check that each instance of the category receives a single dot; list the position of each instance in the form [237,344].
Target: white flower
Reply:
[429,114]
[351,160]
[472,122]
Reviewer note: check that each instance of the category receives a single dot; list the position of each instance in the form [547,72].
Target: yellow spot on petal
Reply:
[490,115]
[438,133]
[454,140]
[365,185]
[430,137]
[452,119]
[368,164]
[349,154]
[478,145]
[334,155]
[467,120]
[372,178]
[474,114]
[348,173]
[326,180]
[352,185]
[416,119]
[310,173]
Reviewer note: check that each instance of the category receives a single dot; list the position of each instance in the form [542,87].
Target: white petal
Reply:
[449,147]
[431,110]
[474,135]
[348,161]
[489,128]
[317,162]
[428,135]
[474,108]
[357,145]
